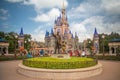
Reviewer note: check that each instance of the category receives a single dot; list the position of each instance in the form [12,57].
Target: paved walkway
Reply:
[8,71]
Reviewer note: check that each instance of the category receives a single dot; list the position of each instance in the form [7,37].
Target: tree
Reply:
[2,34]
[10,37]
[27,38]
[107,38]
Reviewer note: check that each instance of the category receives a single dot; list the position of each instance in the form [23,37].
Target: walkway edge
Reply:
[60,74]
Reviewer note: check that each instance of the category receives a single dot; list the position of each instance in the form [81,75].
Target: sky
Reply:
[37,16]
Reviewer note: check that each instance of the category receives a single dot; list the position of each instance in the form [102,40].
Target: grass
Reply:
[56,63]
[8,58]
[108,57]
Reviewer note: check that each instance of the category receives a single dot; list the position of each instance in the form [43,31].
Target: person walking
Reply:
[41,52]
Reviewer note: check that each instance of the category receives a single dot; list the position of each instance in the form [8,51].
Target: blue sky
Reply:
[37,16]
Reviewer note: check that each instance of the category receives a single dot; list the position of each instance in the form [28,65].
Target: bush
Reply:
[7,58]
[55,63]
[108,57]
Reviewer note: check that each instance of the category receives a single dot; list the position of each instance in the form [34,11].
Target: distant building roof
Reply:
[47,34]
[65,32]
[115,40]
[95,33]
[2,39]
[52,31]
[72,36]
[21,33]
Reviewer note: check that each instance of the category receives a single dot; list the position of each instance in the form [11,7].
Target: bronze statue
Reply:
[57,42]
[63,46]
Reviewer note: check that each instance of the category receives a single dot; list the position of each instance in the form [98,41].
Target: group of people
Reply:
[79,53]
[60,47]
[39,53]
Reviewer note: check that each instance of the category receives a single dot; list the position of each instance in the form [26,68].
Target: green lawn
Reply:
[56,63]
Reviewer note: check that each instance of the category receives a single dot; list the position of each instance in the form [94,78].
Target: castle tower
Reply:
[76,41]
[61,24]
[46,39]
[21,39]
[96,41]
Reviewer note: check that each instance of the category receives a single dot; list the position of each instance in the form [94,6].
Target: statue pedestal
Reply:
[61,56]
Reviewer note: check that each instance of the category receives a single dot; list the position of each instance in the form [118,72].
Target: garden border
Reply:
[60,74]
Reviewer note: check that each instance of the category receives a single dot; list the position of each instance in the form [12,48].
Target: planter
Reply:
[60,74]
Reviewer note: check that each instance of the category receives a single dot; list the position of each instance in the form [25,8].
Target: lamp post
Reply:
[48,45]
[103,36]
[15,44]
[89,46]
[29,46]
[25,44]
[89,43]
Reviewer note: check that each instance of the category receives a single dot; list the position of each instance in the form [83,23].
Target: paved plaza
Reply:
[8,71]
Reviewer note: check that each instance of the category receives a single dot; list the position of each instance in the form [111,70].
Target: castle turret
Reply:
[21,39]
[61,25]
[96,41]
[47,38]
[76,41]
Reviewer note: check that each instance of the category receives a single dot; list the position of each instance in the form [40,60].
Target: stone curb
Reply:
[60,74]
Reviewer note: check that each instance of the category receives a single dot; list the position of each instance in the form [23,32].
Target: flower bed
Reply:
[56,63]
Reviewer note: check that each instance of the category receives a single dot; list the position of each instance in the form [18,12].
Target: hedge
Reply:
[8,58]
[108,57]
[55,63]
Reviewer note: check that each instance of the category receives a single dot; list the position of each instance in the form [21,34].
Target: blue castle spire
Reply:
[72,35]
[70,32]
[52,31]
[95,33]
[47,34]
[21,33]
[55,21]
[66,18]
[65,32]
[60,16]
[75,34]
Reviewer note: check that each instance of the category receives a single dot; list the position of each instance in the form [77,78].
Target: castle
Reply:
[61,25]
[96,41]
[21,39]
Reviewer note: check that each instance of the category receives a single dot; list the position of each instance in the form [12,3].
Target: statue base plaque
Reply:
[61,56]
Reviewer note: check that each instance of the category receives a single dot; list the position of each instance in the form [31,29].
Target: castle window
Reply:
[58,30]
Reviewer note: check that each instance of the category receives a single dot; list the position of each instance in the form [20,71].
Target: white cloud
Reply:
[40,4]
[97,14]
[3,18]
[3,11]
[85,29]
[92,7]
[41,18]
[49,16]
[111,6]
[86,9]
[4,14]
[38,34]
[79,29]
[92,12]
[14,1]
[38,37]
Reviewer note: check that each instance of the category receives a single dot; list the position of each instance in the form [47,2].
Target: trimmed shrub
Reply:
[8,58]
[56,63]
[108,57]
